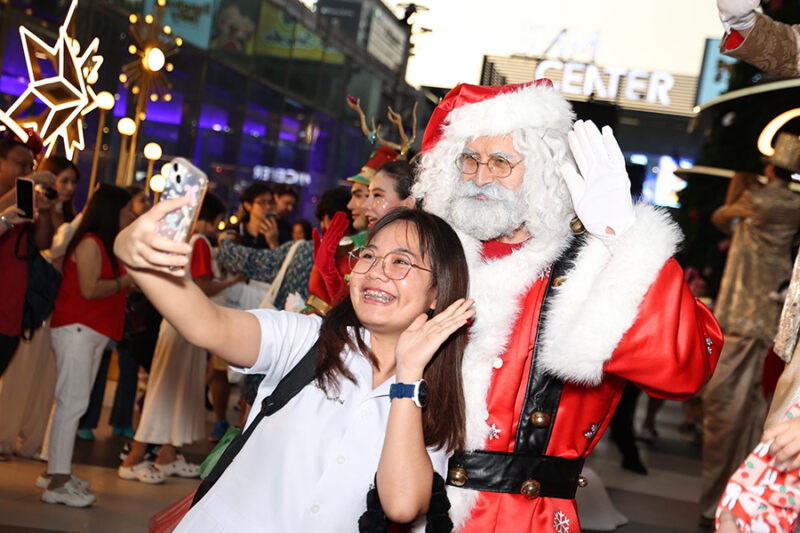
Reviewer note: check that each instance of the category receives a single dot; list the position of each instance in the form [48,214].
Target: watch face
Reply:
[423,394]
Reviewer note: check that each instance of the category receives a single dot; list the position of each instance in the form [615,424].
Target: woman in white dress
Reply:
[309,466]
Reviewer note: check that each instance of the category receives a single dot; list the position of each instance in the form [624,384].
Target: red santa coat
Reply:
[617,313]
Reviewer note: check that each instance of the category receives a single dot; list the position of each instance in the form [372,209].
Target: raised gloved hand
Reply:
[601,193]
[737,14]
[325,253]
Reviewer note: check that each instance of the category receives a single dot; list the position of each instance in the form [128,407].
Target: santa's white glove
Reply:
[601,193]
[737,14]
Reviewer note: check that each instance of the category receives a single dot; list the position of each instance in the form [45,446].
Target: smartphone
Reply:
[182,179]
[25,196]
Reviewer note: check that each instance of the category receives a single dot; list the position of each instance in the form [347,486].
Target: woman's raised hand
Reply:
[139,246]
[419,342]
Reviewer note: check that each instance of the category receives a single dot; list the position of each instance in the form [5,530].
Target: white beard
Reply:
[500,213]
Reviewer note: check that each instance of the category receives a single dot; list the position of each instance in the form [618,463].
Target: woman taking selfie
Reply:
[309,466]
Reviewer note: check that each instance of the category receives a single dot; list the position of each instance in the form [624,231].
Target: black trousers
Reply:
[8,346]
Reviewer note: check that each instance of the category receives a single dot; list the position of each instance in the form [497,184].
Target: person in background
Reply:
[284,197]
[389,189]
[66,185]
[301,230]
[264,265]
[26,392]
[763,220]
[16,161]
[258,228]
[89,310]
[88,422]
[173,413]
[138,342]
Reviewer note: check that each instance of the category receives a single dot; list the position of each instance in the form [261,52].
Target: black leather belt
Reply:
[532,476]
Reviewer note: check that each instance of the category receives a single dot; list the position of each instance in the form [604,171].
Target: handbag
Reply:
[269,299]
[298,377]
[43,283]
[168,518]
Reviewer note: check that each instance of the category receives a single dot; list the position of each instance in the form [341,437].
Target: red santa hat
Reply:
[382,155]
[477,110]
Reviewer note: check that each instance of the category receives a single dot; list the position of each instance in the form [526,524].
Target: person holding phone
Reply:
[309,466]
[16,160]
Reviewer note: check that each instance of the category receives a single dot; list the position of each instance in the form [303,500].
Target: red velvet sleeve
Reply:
[201,260]
[673,346]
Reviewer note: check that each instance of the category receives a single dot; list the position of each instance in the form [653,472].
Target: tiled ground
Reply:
[662,502]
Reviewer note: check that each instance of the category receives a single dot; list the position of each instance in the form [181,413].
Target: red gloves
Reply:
[325,267]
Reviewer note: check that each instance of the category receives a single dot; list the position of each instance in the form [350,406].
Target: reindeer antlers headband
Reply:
[395,118]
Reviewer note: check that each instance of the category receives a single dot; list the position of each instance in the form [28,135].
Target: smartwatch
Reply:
[417,391]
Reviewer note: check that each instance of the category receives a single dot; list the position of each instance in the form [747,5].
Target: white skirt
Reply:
[174,410]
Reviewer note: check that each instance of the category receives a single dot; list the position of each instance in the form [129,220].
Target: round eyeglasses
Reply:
[499,167]
[395,265]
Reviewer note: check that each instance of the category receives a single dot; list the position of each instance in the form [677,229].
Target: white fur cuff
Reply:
[599,301]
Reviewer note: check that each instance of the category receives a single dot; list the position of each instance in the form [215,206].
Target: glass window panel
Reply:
[306,73]
[272,47]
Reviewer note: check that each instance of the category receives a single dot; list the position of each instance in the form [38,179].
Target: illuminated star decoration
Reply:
[67,94]
[154,45]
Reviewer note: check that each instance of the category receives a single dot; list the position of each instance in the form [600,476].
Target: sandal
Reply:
[179,467]
[144,472]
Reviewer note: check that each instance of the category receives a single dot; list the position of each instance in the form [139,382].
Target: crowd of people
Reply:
[445,354]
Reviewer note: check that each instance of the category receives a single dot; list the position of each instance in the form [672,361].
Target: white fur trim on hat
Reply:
[530,107]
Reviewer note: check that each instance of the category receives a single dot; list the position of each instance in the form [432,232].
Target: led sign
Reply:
[289,176]
[587,80]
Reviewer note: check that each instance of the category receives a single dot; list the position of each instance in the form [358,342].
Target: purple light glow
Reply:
[256,129]
[13,85]
[213,118]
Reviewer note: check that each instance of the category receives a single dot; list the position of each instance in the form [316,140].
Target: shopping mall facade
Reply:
[258,87]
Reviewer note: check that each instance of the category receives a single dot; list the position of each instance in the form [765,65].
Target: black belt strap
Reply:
[507,472]
[298,377]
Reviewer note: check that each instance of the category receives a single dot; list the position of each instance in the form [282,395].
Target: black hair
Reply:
[400,172]
[212,207]
[306,225]
[101,217]
[282,188]
[58,164]
[253,191]
[135,190]
[331,201]
[249,195]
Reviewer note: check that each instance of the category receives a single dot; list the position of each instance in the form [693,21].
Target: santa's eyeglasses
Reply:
[499,167]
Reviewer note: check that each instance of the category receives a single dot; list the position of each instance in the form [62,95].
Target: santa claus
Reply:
[576,293]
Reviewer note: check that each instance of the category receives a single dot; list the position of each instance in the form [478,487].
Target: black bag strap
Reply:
[298,377]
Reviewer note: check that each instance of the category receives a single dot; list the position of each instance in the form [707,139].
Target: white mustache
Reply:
[492,191]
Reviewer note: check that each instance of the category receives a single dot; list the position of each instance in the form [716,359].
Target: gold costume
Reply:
[765,221]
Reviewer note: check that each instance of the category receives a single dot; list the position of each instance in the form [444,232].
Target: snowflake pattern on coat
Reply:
[560,522]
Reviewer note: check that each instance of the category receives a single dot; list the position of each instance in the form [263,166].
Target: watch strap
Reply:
[401,390]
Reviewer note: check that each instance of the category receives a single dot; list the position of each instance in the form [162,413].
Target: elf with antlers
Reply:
[328,277]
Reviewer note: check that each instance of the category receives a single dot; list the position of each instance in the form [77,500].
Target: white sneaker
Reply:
[144,472]
[69,495]
[44,482]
